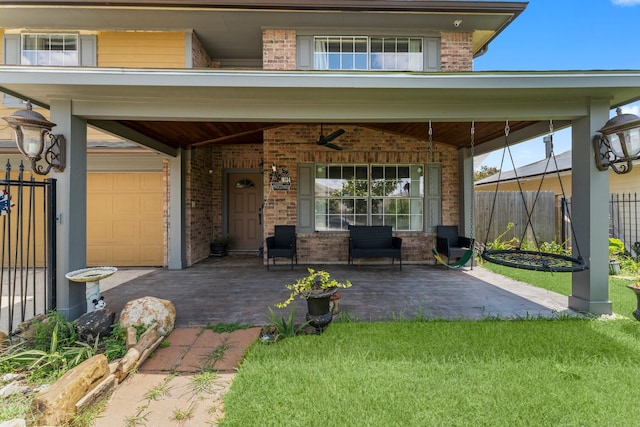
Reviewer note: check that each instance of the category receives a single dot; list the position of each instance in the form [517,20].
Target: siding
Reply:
[141,49]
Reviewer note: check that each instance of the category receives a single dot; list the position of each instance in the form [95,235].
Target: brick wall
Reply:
[456,52]
[279,49]
[199,57]
[286,147]
[199,200]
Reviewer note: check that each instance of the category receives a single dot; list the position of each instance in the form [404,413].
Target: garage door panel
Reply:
[150,254]
[125,219]
[99,253]
[151,183]
[127,182]
[149,231]
[150,202]
[100,182]
[125,255]
[100,231]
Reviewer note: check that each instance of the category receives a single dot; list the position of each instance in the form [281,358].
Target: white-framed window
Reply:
[368,53]
[361,194]
[49,49]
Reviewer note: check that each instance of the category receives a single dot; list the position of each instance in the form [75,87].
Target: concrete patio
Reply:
[238,288]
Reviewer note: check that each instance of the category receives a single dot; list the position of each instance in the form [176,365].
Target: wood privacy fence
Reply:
[512,207]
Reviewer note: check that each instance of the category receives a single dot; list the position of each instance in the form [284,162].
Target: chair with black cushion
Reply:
[282,244]
[450,244]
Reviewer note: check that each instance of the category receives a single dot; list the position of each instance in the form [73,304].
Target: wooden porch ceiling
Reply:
[181,134]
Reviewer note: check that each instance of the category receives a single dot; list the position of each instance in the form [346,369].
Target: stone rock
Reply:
[26,331]
[18,422]
[95,323]
[56,404]
[146,311]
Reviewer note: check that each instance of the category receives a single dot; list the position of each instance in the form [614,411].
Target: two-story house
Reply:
[226,92]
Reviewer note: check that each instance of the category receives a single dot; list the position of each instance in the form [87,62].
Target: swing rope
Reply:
[524,259]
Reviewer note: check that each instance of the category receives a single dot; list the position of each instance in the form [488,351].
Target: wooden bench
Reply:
[374,241]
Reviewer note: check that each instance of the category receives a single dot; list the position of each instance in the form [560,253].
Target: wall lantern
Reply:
[31,128]
[619,144]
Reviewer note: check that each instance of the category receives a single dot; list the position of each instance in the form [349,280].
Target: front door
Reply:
[245,211]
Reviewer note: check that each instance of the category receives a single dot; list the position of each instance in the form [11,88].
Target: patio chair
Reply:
[452,245]
[282,244]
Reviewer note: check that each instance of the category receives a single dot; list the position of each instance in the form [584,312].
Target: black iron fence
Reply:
[624,218]
[27,249]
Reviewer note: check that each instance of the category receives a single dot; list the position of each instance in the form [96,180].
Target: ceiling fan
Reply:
[326,140]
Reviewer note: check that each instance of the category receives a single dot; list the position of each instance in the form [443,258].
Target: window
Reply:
[369,195]
[49,49]
[368,53]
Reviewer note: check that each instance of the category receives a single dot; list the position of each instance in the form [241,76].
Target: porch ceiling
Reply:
[194,134]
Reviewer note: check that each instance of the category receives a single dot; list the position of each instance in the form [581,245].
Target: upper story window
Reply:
[368,53]
[49,49]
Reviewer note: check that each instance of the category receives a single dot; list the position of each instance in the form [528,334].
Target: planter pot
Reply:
[319,312]
[614,267]
[636,290]
[218,249]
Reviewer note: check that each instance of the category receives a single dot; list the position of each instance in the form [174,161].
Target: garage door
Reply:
[125,219]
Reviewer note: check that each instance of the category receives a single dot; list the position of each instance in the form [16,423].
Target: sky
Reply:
[564,35]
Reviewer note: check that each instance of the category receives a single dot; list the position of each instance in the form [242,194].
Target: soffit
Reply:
[232,34]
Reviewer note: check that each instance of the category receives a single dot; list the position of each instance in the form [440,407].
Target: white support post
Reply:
[465,167]
[177,213]
[71,216]
[589,208]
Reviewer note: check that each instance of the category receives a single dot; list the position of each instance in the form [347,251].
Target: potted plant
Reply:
[220,245]
[317,288]
[616,249]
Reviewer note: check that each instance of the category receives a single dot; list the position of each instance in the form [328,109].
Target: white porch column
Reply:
[71,202]
[177,212]
[590,214]
[465,167]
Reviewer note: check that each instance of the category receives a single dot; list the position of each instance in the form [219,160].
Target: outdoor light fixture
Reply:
[619,144]
[31,128]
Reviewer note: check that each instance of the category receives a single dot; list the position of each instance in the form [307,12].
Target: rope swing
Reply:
[531,259]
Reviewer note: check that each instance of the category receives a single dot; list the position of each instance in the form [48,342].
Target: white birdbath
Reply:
[91,276]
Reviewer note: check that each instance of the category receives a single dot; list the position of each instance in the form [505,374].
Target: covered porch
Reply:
[126,101]
[238,289]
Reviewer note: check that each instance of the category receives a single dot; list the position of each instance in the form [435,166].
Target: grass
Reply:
[622,299]
[571,372]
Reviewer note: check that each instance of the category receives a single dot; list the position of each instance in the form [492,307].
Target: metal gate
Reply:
[27,252]
[623,222]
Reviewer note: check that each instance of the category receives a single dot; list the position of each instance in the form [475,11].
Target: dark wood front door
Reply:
[245,211]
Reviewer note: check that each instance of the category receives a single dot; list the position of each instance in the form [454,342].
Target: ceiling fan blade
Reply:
[332,146]
[333,135]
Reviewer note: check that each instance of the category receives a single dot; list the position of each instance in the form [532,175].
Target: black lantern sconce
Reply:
[31,129]
[619,144]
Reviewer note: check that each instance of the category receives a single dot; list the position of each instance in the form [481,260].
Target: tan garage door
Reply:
[125,219]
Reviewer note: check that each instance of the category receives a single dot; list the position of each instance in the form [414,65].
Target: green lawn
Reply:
[438,373]
[622,299]
[563,372]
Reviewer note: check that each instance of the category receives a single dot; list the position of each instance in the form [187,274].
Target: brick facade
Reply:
[284,147]
[279,49]
[199,201]
[456,52]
